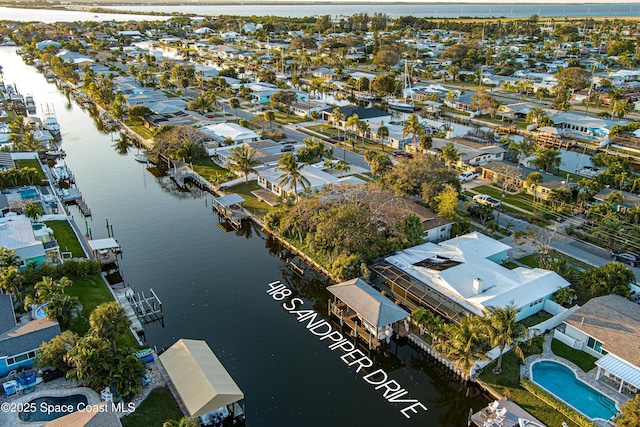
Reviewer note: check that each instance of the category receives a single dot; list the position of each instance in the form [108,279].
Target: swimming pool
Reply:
[559,380]
[29,193]
[39,312]
[43,407]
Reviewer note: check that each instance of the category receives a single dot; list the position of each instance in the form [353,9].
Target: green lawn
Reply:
[287,118]
[92,291]
[536,318]
[530,260]
[585,361]
[153,411]
[251,203]
[66,238]
[510,379]
[210,171]
[31,163]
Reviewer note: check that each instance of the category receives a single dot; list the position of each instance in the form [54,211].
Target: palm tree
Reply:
[548,160]
[270,116]
[59,306]
[449,154]
[8,257]
[234,103]
[291,174]
[29,174]
[520,149]
[32,210]
[532,181]
[382,134]
[10,280]
[500,325]
[109,321]
[314,115]
[241,160]
[412,127]
[462,344]
[352,123]
[341,167]
[363,128]
[183,422]
[337,117]
[620,108]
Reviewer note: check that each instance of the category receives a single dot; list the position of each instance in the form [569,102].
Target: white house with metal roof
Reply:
[464,275]
[223,132]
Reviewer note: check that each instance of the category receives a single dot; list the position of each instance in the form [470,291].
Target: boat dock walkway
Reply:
[84,209]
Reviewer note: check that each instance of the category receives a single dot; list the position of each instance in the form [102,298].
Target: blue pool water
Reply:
[41,312]
[37,226]
[29,193]
[71,404]
[562,382]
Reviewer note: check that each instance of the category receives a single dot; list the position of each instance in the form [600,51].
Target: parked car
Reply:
[468,176]
[286,148]
[399,154]
[486,200]
[626,257]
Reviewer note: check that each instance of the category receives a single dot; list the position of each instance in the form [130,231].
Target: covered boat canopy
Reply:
[203,384]
[102,244]
[230,200]
[374,307]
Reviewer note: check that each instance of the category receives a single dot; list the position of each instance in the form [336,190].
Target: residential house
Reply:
[607,328]
[232,133]
[46,43]
[270,179]
[176,118]
[20,342]
[17,233]
[397,138]
[464,276]
[304,108]
[629,200]
[513,177]
[369,115]
[471,153]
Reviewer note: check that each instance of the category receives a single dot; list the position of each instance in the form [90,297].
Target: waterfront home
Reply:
[608,327]
[471,153]
[514,176]
[369,115]
[397,138]
[629,200]
[304,108]
[202,383]
[270,179]
[268,152]
[16,232]
[20,342]
[229,133]
[587,125]
[175,118]
[464,275]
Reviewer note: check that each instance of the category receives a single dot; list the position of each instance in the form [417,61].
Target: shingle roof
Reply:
[25,337]
[95,418]
[614,321]
[7,316]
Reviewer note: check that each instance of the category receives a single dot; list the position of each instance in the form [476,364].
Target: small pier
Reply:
[84,209]
[230,208]
[105,250]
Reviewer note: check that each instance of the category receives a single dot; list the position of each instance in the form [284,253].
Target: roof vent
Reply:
[477,285]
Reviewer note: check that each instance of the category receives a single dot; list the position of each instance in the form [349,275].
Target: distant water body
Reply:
[435,9]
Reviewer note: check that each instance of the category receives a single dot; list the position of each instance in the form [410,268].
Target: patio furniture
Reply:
[11,388]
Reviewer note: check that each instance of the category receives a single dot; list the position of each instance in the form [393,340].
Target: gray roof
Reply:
[7,315]
[229,200]
[614,321]
[95,418]
[27,336]
[374,307]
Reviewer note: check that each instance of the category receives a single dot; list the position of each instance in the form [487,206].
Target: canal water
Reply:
[213,286]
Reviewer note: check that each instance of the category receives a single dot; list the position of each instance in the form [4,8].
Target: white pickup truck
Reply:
[468,176]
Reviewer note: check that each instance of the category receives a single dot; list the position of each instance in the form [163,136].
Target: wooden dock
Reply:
[84,209]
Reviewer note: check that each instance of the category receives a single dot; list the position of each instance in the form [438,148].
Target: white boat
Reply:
[29,103]
[60,172]
[50,122]
[407,105]
[139,157]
